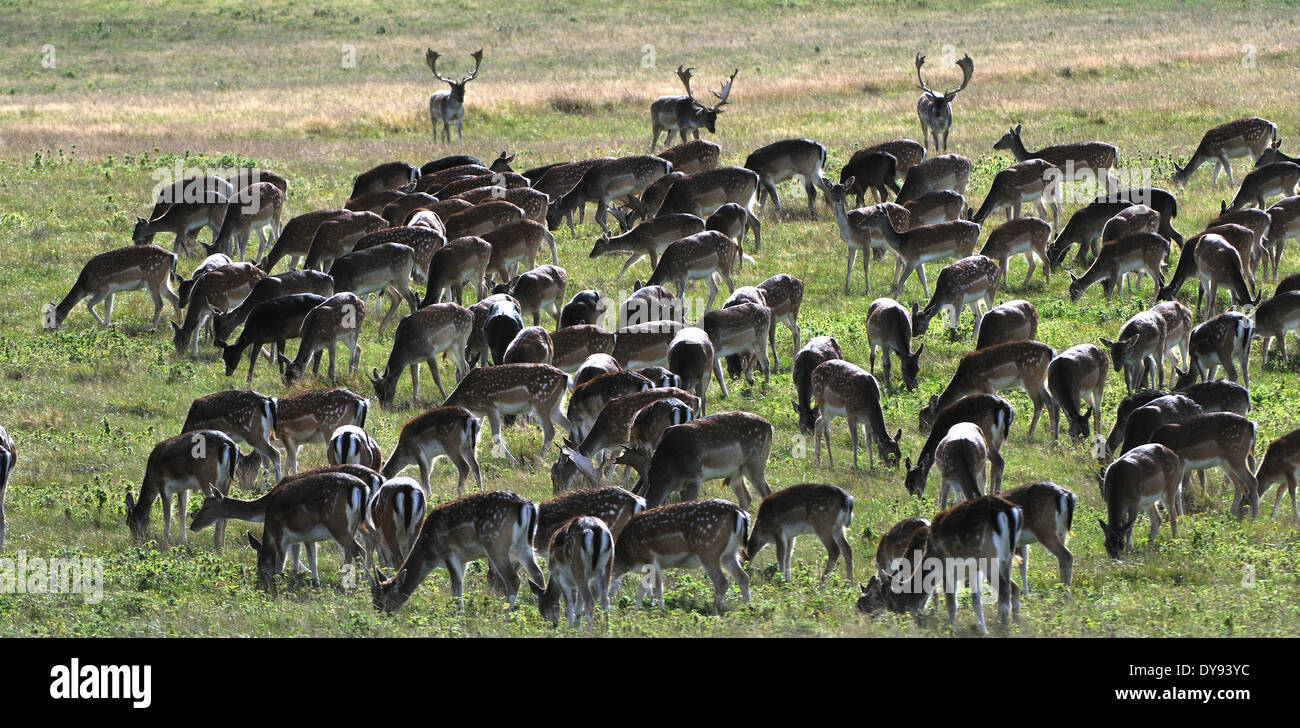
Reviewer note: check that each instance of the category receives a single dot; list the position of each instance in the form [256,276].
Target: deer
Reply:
[1132,219]
[540,289]
[400,210]
[1221,341]
[1023,235]
[741,329]
[1278,178]
[1141,478]
[384,268]
[694,257]
[709,533]
[840,388]
[386,176]
[1085,227]
[889,328]
[648,239]
[1240,138]
[394,514]
[1145,420]
[818,349]
[498,526]
[513,389]
[704,192]
[1218,264]
[903,542]
[993,416]
[646,207]
[1015,320]
[919,245]
[1034,180]
[1048,515]
[609,181]
[870,169]
[855,232]
[934,207]
[1022,364]
[816,509]
[479,185]
[1223,439]
[935,109]
[190,461]
[1123,412]
[1178,330]
[117,271]
[496,320]
[594,366]
[649,304]
[1077,160]
[1078,373]
[295,238]
[462,260]
[1140,349]
[450,432]
[1233,234]
[611,430]
[1273,319]
[980,530]
[585,308]
[440,328]
[219,288]
[244,416]
[351,445]
[731,445]
[337,236]
[582,559]
[574,345]
[254,207]
[184,219]
[516,243]
[649,425]
[685,113]
[1284,225]
[612,505]
[531,344]
[779,161]
[1143,252]
[8,458]
[692,357]
[944,172]
[269,288]
[734,221]
[1280,465]
[963,283]
[962,457]
[698,155]
[644,344]
[271,322]
[336,320]
[313,416]
[906,152]
[482,218]
[448,107]
[206,188]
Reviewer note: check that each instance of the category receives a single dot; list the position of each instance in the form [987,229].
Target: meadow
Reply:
[96,96]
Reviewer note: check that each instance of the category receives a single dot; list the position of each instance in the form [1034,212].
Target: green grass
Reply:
[138,85]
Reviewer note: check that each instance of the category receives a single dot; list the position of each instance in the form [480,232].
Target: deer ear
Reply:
[1018,127]
[898,434]
[1104,527]
[1106,341]
[252,541]
[399,578]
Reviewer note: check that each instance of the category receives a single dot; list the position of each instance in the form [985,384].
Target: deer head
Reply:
[457,87]
[941,100]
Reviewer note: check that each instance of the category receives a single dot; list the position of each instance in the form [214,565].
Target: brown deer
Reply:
[1280,465]
[1139,350]
[1021,364]
[920,245]
[934,207]
[482,218]
[1078,373]
[1284,225]
[394,515]
[450,432]
[337,320]
[818,349]
[698,155]
[1218,264]
[870,170]
[1023,235]
[337,236]
[1221,341]
[889,329]
[1223,439]
[540,289]
[704,192]
[1145,252]
[440,328]
[448,107]
[935,109]
[222,288]
[857,235]
[516,243]
[573,345]
[779,161]
[1086,160]
[295,239]
[606,182]
[1048,515]
[1278,178]
[1085,228]
[1234,139]
[514,389]
[351,445]
[117,271]
[741,329]
[981,530]
[649,239]
[963,283]
[1273,319]
[581,559]
[692,357]
[462,260]
[271,287]
[945,172]
[989,412]
[1015,320]
[842,389]
[1141,478]
[313,416]
[531,345]
[817,509]
[190,461]
[1034,180]
[272,322]
[962,457]
[730,445]
[8,457]
[695,257]
[684,113]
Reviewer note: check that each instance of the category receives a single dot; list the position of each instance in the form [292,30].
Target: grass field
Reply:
[134,86]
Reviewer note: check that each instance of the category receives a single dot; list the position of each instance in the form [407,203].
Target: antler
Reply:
[920,82]
[726,91]
[685,75]
[431,58]
[967,70]
[478,60]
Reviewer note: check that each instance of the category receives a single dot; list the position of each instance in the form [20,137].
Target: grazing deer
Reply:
[386,176]
[573,345]
[482,218]
[244,416]
[190,461]
[648,239]
[691,357]
[117,271]
[448,107]
[254,207]
[450,432]
[731,445]
[350,445]
[962,457]
[581,560]
[1280,465]
[1085,227]
[1178,330]
[585,308]
[337,320]
[1145,252]
[1142,478]
[889,329]
[649,424]
[684,113]
[1273,319]
[855,232]
[980,530]
[1048,511]
[540,289]
[610,504]
[222,289]
[935,109]
[610,430]
[393,518]
[920,245]
[694,156]
[742,329]
[783,295]
[646,206]
[935,207]
[945,172]
[269,288]
[440,328]
[513,389]
[184,219]
[902,544]
[779,161]
[963,283]
[272,322]
[1221,341]
[1145,420]
[1035,180]
[695,257]
[806,509]
[989,412]
[496,322]
[1015,320]
[644,344]
[1223,439]
[594,366]
[1218,264]
[530,345]
[1130,220]
[842,389]
[818,349]
[606,182]
[1078,373]
[313,416]
[704,192]
[497,182]
[1087,160]
[402,209]
[708,533]
[498,526]
[870,170]
[1234,139]
[1284,225]
[295,239]
[384,268]
[1023,235]
[462,260]
[649,304]
[337,236]
[1123,412]
[1140,349]
[734,221]
[1273,154]
[1278,178]
[8,457]
[1021,364]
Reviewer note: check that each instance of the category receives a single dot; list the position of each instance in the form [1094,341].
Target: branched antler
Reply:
[685,75]
[478,61]
[726,91]
[967,70]
[431,59]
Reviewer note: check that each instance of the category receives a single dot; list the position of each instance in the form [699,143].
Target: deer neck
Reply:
[253,511]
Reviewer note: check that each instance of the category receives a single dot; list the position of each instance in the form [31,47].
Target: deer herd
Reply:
[630,384]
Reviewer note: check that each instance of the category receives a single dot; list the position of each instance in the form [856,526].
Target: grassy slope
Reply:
[137,82]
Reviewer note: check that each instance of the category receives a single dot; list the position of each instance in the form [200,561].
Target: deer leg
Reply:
[853,437]
[1249,486]
[832,555]
[1022,551]
[717,374]
[714,572]
[494,420]
[433,369]
[822,429]
[848,271]
[253,352]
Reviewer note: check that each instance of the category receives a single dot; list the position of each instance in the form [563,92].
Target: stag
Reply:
[685,113]
[935,109]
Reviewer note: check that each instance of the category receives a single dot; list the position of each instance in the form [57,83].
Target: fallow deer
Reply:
[694,156]
[9,457]
[889,329]
[993,416]
[1084,228]
[704,192]
[815,509]
[695,257]
[222,288]
[540,289]
[920,245]
[1123,412]
[581,561]
[857,234]
[1273,319]
[1278,178]
[644,344]
[496,321]
[1280,465]
[692,357]
[1090,160]
[462,260]
[649,304]
[981,530]
[945,172]
[190,461]
[935,207]
[615,506]
[337,236]
[962,457]
[1223,439]
[440,328]
[870,170]
[117,271]
[935,109]
[572,346]
[818,349]
[482,218]
[1145,420]
[962,283]
[1035,180]
[450,432]
[782,160]
[685,113]
[295,239]
[1139,350]
[1234,139]
[842,389]
[1284,225]
[1145,252]
[1015,320]
[1178,330]
[1218,264]
[254,207]
[1021,364]
[1142,478]
[584,308]
[590,397]
[244,416]
[1078,373]
[183,219]
[336,320]
[1048,515]
[606,182]
[448,107]
[531,345]
[731,445]
[268,288]
[314,415]
[349,444]
[394,515]
[513,389]
[649,238]
[1221,341]
[594,366]
[1023,235]
[611,430]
